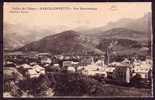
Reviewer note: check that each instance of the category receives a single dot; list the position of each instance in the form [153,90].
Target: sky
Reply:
[71,15]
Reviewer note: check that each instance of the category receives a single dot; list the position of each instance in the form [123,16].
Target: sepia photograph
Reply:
[75,49]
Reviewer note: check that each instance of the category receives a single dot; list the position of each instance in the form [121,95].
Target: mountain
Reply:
[130,35]
[16,35]
[67,42]
[124,46]
[127,41]
[122,33]
[141,25]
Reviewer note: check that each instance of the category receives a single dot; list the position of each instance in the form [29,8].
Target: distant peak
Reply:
[69,31]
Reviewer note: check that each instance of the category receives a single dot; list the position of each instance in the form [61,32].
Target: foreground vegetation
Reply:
[68,84]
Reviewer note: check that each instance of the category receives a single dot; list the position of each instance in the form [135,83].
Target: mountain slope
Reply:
[122,33]
[141,25]
[68,42]
[16,36]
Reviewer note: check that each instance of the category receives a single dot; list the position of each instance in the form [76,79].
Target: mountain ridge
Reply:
[68,42]
[85,41]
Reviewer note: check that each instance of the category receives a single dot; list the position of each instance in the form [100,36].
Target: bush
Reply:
[74,84]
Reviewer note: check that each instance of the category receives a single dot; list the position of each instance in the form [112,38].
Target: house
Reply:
[67,63]
[143,69]
[35,71]
[43,54]
[46,60]
[100,63]
[24,66]
[122,74]
[126,61]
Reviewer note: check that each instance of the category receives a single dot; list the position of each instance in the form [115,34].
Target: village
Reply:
[129,72]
